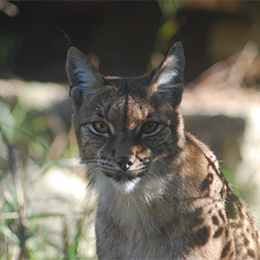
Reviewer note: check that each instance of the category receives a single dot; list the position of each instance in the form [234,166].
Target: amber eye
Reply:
[149,127]
[101,127]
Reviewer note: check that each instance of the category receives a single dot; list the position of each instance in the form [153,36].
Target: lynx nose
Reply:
[125,162]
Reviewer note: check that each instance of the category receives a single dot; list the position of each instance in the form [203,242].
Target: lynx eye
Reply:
[149,128]
[100,127]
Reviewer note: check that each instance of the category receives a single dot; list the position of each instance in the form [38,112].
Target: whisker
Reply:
[89,160]
[108,170]
[141,170]
[106,163]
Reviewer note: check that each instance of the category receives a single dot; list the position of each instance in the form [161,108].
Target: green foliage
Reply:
[30,147]
[169,25]
[168,28]
[231,177]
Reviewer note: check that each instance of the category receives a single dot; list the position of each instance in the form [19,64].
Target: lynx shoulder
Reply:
[162,194]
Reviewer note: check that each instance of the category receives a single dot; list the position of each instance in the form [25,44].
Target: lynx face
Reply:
[126,128]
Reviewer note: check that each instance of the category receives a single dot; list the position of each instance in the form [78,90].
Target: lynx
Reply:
[162,194]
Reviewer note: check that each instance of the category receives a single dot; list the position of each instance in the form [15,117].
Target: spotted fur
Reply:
[162,194]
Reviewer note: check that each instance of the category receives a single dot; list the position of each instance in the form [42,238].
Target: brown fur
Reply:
[161,192]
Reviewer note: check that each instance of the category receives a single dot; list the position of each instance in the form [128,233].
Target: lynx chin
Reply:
[162,194]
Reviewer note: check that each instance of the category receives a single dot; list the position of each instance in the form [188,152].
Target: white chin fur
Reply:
[126,186]
[102,184]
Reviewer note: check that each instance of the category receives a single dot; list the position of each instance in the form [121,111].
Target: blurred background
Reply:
[46,210]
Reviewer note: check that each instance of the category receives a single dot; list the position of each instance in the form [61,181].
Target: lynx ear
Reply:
[83,77]
[167,80]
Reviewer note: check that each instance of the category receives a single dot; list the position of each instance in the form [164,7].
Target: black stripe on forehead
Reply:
[113,106]
[123,109]
[126,116]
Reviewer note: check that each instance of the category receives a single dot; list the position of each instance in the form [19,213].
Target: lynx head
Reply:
[128,129]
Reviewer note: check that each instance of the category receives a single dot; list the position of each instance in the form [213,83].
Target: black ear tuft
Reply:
[66,36]
[178,34]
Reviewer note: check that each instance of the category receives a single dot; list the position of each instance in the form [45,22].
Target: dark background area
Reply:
[122,34]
